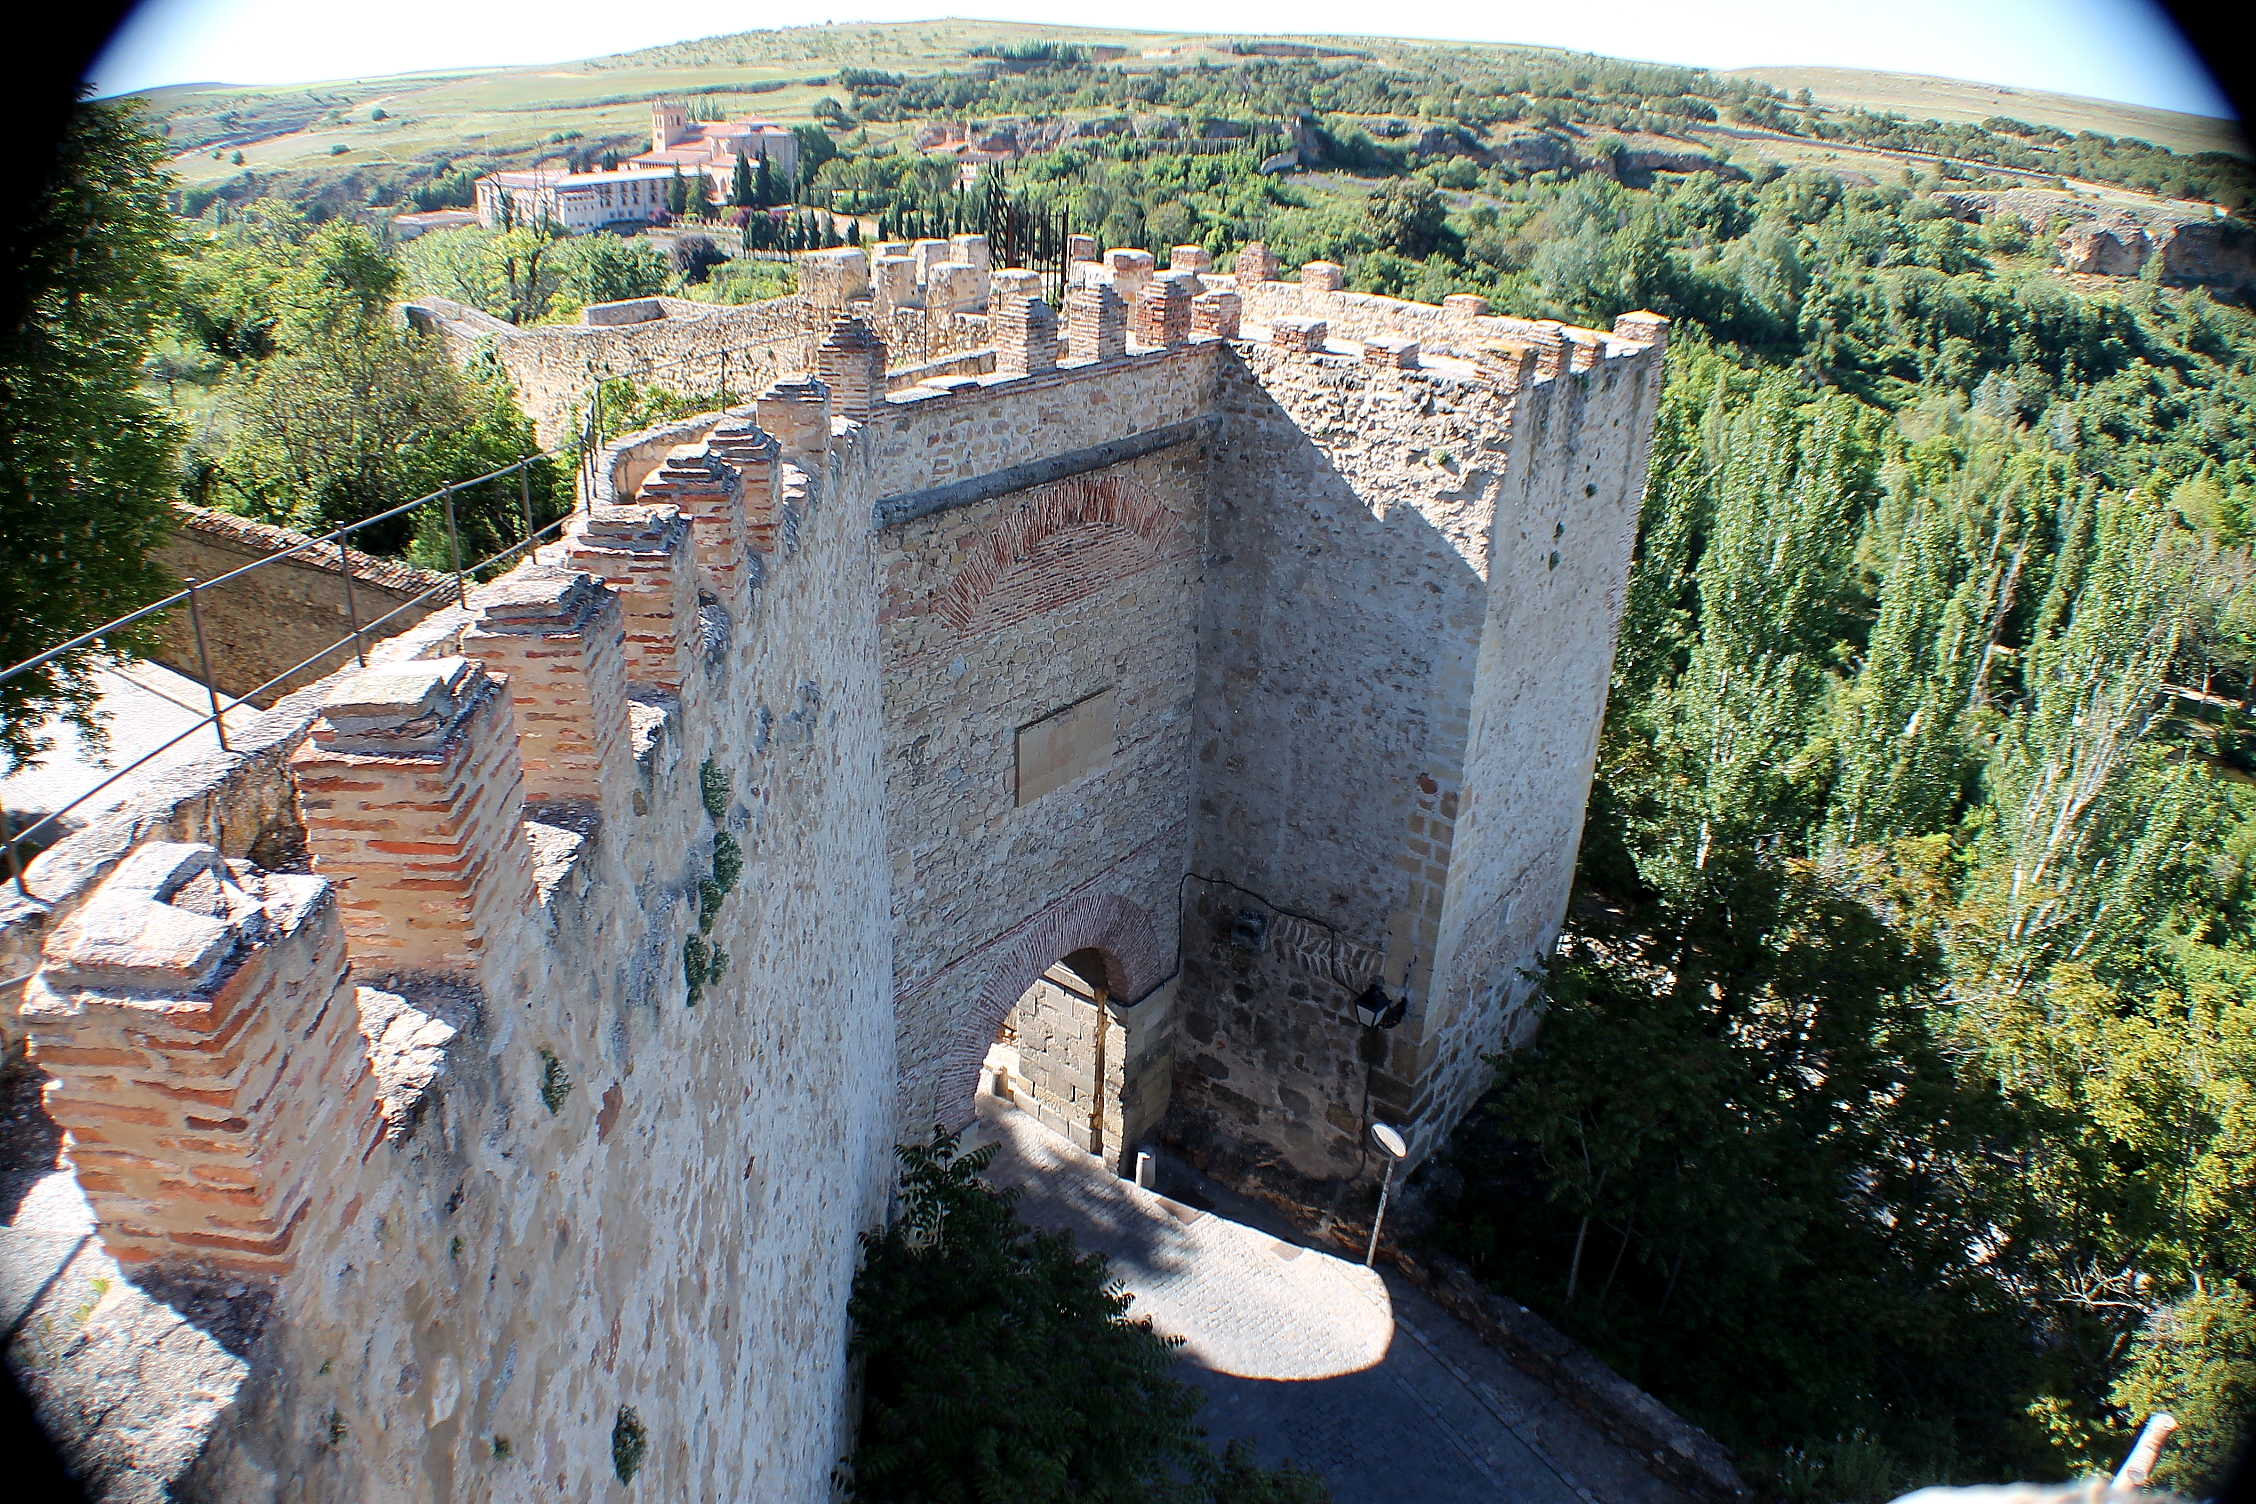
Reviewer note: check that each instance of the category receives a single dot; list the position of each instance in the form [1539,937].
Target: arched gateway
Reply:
[1112,944]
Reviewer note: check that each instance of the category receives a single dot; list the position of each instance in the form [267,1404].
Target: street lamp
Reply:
[1390,1140]
[1375,1010]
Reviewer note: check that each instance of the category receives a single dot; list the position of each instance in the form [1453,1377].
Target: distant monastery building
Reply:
[637,190]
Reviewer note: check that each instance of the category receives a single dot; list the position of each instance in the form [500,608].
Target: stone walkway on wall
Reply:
[1317,1360]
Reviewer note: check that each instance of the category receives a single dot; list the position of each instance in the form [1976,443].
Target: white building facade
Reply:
[576,200]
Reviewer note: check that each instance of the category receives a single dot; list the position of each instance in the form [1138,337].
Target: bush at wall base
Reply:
[1000,1363]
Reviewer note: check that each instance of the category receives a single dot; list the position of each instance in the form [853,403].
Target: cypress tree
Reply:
[763,185]
[677,194]
[740,185]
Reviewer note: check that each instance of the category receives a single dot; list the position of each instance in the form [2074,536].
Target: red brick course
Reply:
[1066,541]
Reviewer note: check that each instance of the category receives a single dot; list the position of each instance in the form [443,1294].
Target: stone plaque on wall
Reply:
[1063,745]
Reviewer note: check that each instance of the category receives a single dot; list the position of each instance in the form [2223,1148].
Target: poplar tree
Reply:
[1785,491]
[2079,828]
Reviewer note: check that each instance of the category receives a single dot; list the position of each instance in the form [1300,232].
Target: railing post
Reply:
[454,547]
[15,862]
[525,494]
[203,664]
[352,606]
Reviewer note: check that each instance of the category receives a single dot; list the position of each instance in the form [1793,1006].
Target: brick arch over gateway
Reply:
[1113,926]
[1062,542]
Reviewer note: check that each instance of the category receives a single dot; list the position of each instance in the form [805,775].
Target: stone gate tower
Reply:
[1093,716]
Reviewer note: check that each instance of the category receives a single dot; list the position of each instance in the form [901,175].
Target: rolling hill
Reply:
[1922,97]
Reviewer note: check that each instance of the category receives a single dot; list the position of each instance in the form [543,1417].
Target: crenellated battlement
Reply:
[658,887]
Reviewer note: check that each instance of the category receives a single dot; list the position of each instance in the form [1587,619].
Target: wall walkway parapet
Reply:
[614,888]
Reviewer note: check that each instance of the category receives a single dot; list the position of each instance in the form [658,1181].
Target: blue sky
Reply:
[2107,49]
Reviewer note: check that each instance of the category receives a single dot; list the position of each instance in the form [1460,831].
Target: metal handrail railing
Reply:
[356,639]
[338,538]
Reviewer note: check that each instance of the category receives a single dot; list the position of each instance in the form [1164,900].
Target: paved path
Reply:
[1314,1359]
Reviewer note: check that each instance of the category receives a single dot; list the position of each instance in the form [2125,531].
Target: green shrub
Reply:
[1001,1363]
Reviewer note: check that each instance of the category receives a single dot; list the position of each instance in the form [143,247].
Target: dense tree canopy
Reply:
[1894,1112]
[1928,1032]
[86,459]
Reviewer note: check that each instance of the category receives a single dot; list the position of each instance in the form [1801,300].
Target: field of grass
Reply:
[1921,98]
[511,111]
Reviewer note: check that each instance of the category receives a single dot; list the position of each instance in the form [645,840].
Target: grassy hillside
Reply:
[514,113]
[1922,97]
[351,145]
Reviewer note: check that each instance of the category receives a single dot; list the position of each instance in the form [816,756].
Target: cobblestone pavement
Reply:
[1314,1359]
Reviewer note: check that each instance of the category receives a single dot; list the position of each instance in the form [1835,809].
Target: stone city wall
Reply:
[1348,550]
[441,1143]
[1095,1072]
[497,1089]
[738,348]
[258,628]
[1458,326]
[699,347]
[1062,1057]
[1560,548]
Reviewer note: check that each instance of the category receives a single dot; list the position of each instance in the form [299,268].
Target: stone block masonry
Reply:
[1163,312]
[663,885]
[709,492]
[851,362]
[1026,336]
[557,638]
[758,459]
[1096,322]
[643,553]
[1300,336]
[1216,313]
[454,1118]
[1409,532]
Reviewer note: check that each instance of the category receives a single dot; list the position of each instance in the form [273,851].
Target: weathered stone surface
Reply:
[632,311]
[1216,313]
